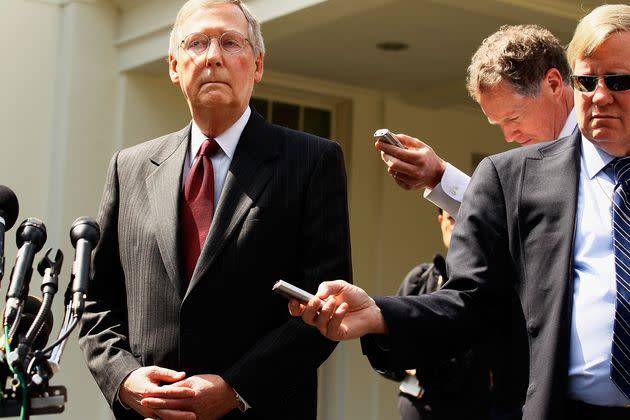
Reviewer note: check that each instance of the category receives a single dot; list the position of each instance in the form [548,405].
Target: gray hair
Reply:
[191,6]
[521,56]
[596,27]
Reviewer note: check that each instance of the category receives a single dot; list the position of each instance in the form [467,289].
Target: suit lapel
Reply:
[163,195]
[248,174]
[547,220]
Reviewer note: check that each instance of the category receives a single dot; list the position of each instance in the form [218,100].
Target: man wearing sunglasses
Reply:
[550,221]
[197,225]
[520,78]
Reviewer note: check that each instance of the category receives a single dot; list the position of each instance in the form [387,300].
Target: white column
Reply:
[83,141]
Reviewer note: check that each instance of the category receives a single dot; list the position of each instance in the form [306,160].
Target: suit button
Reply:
[532,329]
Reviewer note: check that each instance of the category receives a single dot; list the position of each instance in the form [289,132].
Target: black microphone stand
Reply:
[32,369]
[38,397]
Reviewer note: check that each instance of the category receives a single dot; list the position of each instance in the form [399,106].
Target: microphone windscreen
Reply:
[31,230]
[85,228]
[9,207]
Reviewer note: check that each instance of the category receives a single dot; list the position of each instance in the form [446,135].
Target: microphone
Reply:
[30,238]
[49,267]
[84,235]
[37,335]
[9,209]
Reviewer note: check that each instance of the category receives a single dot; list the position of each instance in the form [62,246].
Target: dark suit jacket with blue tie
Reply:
[282,215]
[515,232]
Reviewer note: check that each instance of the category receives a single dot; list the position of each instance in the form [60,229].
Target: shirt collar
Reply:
[227,141]
[595,159]
[569,125]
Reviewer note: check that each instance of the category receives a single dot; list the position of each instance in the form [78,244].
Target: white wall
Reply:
[27,101]
[152,106]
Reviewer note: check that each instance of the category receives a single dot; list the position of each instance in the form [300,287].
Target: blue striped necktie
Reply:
[620,366]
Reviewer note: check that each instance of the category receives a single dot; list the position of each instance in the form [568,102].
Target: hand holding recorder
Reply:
[290,291]
[413,164]
[340,311]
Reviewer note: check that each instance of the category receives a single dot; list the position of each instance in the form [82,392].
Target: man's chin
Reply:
[213,85]
[610,144]
[602,136]
[213,98]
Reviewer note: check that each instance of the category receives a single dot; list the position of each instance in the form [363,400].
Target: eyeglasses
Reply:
[197,43]
[614,82]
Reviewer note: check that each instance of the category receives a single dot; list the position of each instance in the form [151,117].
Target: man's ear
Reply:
[553,82]
[172,69]
[260,64]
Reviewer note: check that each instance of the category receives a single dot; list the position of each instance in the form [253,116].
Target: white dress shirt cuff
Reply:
[448,194]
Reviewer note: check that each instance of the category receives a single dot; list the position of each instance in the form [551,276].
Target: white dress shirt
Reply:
[448,193]
[221,160]
[594,284]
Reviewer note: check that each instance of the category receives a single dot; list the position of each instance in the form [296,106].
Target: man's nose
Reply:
[214,53]
[602,95]
[509,134]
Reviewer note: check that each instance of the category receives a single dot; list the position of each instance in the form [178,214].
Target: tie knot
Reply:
[621,167]
[208,147]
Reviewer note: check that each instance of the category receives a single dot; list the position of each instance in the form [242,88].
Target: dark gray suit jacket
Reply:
[515,231]
[282,215]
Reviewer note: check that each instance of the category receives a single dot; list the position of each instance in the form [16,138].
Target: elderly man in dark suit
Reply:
[551,221]
[202,222]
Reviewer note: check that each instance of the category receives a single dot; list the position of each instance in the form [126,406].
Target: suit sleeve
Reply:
[411,285]
[103,329]
[291,354]
[449,320]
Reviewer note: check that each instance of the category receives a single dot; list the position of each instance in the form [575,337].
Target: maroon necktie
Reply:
[198,206]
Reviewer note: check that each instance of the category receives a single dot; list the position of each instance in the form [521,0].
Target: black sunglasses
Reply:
[614,82]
